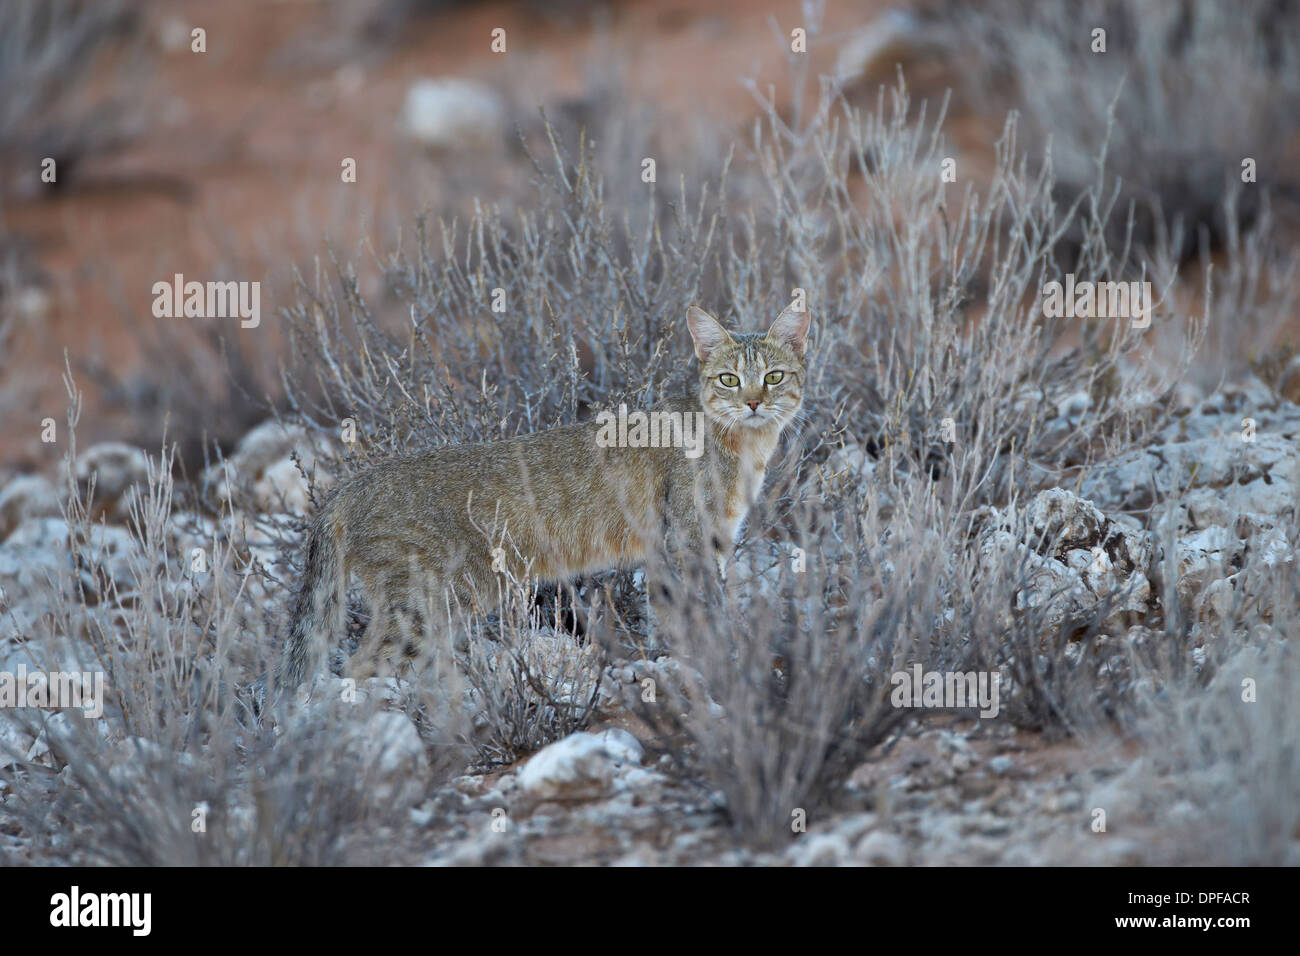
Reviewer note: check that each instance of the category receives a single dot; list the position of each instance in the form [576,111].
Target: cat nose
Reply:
[753,404]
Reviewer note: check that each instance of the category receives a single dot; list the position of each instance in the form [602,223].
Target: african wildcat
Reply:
[440,525]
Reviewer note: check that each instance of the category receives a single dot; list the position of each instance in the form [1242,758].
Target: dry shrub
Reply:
[186,724]
[937,388]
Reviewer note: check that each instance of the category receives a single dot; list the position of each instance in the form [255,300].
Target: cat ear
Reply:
[706,332]
[791,329]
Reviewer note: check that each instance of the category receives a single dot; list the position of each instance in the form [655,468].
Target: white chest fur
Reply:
[751,469]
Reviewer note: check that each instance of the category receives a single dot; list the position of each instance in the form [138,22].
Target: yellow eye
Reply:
[729,380]
[772,378]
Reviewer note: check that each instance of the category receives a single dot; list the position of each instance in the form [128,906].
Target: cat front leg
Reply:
[665,572]
[697,561]
[658,594]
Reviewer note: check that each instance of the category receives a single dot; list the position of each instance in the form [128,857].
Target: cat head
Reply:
[755,379]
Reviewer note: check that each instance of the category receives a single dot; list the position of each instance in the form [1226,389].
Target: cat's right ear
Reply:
[706,332]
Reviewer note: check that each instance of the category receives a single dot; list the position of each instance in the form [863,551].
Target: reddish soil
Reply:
[238,172]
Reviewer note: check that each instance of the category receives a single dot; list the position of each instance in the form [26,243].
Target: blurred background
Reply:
[225,163]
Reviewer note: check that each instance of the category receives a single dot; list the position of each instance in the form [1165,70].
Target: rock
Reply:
[1215,603]
[1271,546]
[832,844]
[453,114]
[111,561]
[881,848]
[266,444]
[1204,557]
[24,498]
[64,735]
[672,683]
[582,766]
[1070,556]
[282,488]
[390,747]
[1074,407]
[470,786]
[819,849]
[382,743]
[323,698]
[262,465]
[1070,411]
[31,572]
[137,762]
[1118,851]
[1060,520]
[956,749]
[848,467]
[38,571]
[851,459]
[1206,507]
[18,622]
[37,563]
[1235,453]
[1211,584]
[18,740]
[1001,764]
[263,536]
[33,655]
[117,471]
[187,531]
[41,534]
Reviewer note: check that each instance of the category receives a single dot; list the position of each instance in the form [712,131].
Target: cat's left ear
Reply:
[791,329]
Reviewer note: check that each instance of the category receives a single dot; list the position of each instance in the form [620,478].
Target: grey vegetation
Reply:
[1077,505]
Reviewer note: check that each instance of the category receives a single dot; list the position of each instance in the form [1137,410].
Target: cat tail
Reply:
[318,614]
